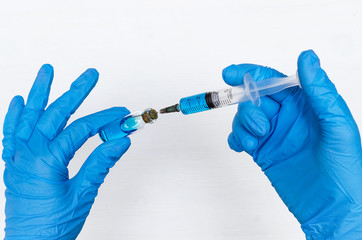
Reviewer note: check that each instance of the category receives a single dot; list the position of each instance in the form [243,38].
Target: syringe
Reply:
[249,91]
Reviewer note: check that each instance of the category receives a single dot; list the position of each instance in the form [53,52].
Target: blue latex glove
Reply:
[308,145]
[41,201]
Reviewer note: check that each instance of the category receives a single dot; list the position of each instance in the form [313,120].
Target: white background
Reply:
[179,180]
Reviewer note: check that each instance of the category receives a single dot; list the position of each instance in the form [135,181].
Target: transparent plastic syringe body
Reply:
[249,91]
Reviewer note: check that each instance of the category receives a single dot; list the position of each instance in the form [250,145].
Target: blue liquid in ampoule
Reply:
[121,128]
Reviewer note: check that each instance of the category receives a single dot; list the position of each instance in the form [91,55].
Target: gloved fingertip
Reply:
[233,144]
[249,143]
[263,128]
[126,142]
[308,66]
[92,71]
[17,100]
[253,119]
[12,117]
[262,125]
[308,58]
[124,110]
[45,74]
[45,68]
[118,147]
[307,62]
[231,75]
[86,81]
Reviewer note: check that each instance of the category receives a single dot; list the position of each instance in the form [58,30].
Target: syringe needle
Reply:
[170,109]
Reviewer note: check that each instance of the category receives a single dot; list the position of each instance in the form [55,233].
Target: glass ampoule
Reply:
[128,125]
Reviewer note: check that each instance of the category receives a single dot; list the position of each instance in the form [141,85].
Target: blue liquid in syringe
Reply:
[194,104]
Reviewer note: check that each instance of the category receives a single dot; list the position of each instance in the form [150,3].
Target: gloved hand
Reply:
[308,145]
[41,201]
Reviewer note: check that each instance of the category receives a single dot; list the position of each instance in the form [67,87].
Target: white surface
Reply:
[179,180]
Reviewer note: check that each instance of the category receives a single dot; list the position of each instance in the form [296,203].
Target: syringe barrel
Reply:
[210,100]
[194,104]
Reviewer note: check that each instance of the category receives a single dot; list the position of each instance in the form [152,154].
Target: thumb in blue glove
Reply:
[308,145]
[41,201]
